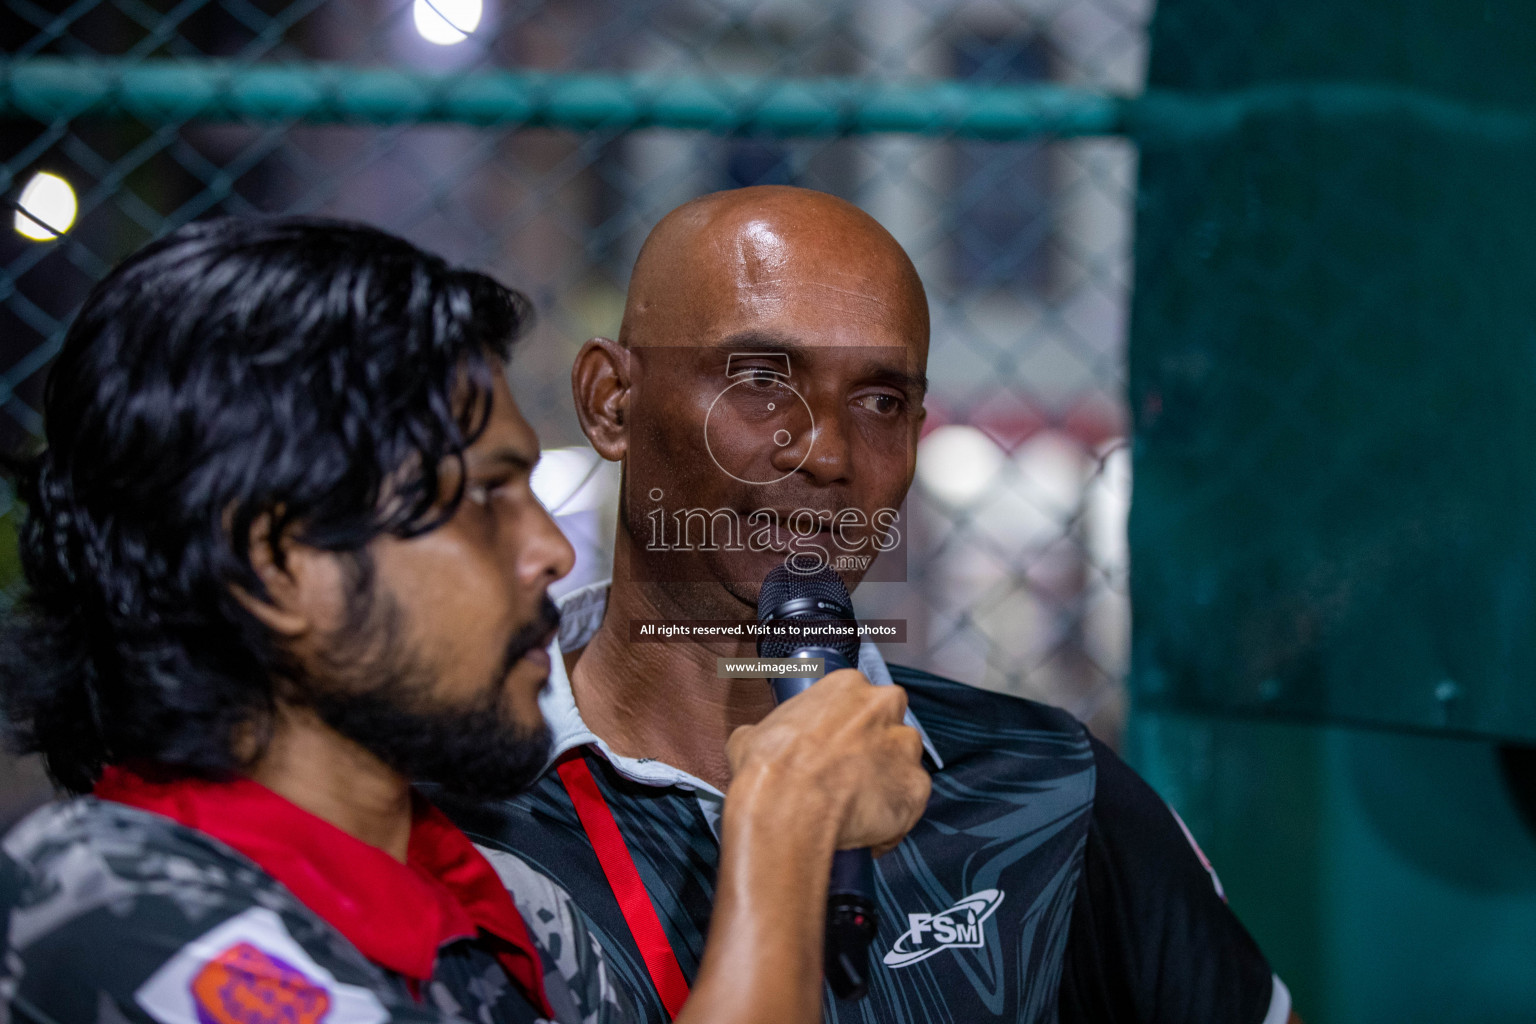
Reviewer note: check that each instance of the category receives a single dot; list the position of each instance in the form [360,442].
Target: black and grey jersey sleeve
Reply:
[112,915]
[578,982]
[1152,940]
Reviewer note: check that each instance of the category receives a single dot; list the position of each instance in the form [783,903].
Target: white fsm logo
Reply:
[959,927]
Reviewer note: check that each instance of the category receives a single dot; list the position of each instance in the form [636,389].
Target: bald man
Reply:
[764,398]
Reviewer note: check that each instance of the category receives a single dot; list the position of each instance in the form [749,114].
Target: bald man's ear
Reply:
[600,384]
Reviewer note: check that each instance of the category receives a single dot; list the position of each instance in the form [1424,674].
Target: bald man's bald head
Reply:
[752,250]
[770,370]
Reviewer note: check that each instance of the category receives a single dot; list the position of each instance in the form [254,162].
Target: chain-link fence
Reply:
[1017,566]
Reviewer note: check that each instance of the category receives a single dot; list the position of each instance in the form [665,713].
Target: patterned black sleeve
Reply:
[1152,939]
[111,915]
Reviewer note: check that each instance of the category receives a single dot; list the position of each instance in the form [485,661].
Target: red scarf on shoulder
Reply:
[397,915]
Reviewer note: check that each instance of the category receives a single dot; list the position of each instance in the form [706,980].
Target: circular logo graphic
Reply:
[755,418]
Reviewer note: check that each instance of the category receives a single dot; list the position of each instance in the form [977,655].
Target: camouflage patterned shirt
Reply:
[113,913]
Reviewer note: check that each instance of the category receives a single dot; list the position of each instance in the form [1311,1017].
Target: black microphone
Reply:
[812,599]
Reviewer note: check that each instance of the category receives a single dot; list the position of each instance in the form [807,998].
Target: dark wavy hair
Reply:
[315,372]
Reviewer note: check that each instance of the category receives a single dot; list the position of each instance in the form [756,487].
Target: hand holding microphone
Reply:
[848,739]
[846,747]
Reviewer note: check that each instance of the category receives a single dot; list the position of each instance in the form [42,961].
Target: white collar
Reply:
[581,612]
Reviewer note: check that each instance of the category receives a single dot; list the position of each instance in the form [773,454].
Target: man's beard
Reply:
[378,695]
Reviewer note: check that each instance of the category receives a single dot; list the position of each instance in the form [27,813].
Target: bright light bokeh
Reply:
[50,199]
[957,464]
[446,22]
[566,480]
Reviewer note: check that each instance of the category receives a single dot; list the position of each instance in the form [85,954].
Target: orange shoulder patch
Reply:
[244,985]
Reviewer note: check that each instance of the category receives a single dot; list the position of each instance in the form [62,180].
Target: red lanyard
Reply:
[624,879]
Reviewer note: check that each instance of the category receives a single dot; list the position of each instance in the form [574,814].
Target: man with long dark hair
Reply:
[284,561]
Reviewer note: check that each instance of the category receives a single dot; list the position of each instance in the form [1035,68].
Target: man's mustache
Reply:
[533,635]
[784,506]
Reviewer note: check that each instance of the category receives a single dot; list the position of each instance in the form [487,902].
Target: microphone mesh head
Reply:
[783,585]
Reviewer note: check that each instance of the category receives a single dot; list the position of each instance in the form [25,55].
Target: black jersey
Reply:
[1045,882]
